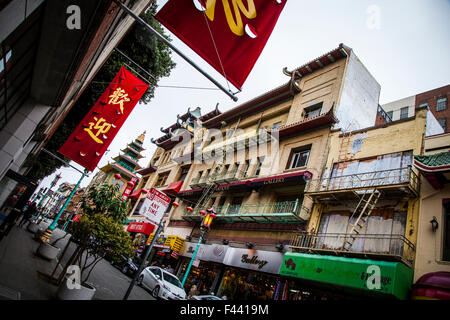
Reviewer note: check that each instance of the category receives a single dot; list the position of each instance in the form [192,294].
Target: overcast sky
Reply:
[406,50]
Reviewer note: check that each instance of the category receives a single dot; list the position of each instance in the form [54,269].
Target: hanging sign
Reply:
[130,186]
[91,138]
[236,31]
[154,206]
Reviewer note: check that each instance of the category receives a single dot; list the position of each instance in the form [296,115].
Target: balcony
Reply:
[276,212]
[396,182]
[393,247]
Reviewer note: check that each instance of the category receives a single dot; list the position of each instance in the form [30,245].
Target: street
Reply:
[21,271]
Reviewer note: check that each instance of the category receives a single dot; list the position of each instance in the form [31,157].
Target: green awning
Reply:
[395,277]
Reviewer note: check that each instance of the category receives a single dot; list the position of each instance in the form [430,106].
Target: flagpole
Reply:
[170,45]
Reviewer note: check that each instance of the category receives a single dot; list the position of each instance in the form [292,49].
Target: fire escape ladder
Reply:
[362,211]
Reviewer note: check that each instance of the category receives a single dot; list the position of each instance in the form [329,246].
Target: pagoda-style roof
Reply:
[435,168]
[139,155]
[128,159]
[168,140]
[117,167]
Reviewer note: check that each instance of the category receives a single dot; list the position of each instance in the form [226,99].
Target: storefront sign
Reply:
[154,206]
[258,260]
[393,278]
[140,227]
[206,252]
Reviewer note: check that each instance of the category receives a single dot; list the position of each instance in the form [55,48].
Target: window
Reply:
[183,174]
[441,104]
[443,123]
[138,207]
[313,111]
[162,178]
[246,166]
[299,157]
[276,125]
[259,165]
[404,113]
[391,115]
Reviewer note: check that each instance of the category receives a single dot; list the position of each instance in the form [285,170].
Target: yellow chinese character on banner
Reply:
[101,126]
[119,96]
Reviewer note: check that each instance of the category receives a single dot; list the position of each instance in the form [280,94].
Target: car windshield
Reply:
[172,279]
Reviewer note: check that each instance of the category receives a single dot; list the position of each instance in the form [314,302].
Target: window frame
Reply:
[301,149]
[440,100]
[402,115]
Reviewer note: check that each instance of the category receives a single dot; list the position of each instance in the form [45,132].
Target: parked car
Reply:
[205,297]
[162,284]
[126,265]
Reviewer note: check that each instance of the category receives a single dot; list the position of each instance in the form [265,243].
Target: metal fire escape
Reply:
[368,198]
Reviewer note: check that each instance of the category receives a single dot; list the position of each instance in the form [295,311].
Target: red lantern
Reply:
[117,176]
[189,209]
[130,183]
[203,212]
[175,204]
[144,191]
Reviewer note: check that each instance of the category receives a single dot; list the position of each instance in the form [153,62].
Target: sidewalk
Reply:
[19,266]
[21,271]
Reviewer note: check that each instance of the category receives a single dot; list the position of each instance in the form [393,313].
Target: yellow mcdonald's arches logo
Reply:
[233,14]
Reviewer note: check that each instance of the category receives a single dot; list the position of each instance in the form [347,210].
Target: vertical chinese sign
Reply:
[229,35]
[91,138]
[130,186]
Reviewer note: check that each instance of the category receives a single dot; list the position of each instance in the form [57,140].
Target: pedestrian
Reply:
[193,291]
[29,212]
[170,269]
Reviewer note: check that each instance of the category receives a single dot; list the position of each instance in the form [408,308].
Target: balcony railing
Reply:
[394,246]
[366,181]
[276,212]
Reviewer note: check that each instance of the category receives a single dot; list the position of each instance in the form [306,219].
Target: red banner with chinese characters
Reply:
[240,30]
[91,138]
[130,186]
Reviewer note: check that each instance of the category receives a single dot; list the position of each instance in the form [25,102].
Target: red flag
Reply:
[91,138]
[240,29]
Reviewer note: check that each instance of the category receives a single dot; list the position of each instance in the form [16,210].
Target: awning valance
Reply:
[301,176]
[173,188]
[141,227]
[395,278]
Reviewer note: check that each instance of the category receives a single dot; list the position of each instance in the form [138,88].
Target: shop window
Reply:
[441,104]
[299,157]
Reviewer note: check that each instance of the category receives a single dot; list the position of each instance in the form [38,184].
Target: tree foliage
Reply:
[100,231]
[140,46]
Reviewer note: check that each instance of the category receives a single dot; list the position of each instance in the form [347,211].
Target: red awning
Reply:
[174,187]
[141,227]
[234,185]
[137,193]
[283,178]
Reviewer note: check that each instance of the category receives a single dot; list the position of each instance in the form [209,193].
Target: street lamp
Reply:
[210,214]
[47,234]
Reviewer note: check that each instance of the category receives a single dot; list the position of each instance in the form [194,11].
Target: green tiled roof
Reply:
[433,161]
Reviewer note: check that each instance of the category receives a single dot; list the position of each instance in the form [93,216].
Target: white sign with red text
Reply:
[154,206]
